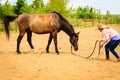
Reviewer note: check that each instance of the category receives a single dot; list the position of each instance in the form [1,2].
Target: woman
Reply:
[112,38]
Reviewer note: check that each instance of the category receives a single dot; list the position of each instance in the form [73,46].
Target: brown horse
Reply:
[40,24]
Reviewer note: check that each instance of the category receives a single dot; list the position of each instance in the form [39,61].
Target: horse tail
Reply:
[8,19]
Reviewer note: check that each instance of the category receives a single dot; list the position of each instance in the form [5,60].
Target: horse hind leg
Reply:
[19,41]
[29,36]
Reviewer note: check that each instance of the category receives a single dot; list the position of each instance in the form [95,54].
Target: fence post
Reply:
[85,21]
[77,22]
[92,22]
[16,26]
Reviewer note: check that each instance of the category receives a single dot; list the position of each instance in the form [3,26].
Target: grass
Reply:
[13,27]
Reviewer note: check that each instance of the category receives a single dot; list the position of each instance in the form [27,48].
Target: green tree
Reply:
[86,12]
[82,12]
[6,9]
[38,6]
[1,11]
[92,13]
[18,8]
[79,12]
[26,9]
[107,17]
[107,14]
[58,5]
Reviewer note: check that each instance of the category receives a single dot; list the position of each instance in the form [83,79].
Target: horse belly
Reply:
[41,29]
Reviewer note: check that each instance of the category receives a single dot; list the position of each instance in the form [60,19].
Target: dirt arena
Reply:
[49,66]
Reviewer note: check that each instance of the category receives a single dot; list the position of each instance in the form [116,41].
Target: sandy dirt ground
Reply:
[49,66]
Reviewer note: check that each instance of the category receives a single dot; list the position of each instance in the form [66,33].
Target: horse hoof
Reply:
[18,52]
[34,50]
[47,52]
[58,53]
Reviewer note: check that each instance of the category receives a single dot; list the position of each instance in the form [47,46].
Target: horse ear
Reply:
[78,32]
[75,34]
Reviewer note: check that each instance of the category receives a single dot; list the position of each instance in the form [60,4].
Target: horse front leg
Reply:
[49,42]
[55,41]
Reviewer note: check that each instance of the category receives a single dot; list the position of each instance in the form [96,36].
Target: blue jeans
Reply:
[111,45]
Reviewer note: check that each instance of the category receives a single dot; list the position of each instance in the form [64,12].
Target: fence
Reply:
[79,23]
[13,27]
[93,22]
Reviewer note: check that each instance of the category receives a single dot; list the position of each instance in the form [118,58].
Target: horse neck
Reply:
[68,30]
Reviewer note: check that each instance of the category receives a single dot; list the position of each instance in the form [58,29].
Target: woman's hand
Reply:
[102,42]
[101,45]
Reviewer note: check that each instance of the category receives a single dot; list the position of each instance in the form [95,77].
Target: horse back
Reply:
[39,23]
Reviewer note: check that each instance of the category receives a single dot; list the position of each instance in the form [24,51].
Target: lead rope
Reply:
[91,53]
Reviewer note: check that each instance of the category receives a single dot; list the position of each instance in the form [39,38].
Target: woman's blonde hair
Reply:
[101,26]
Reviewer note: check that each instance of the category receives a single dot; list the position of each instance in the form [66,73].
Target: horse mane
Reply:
[62,18]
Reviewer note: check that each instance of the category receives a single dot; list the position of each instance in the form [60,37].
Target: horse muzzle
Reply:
[75,48]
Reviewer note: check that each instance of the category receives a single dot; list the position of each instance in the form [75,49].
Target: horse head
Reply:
[74,40]
[68,28]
